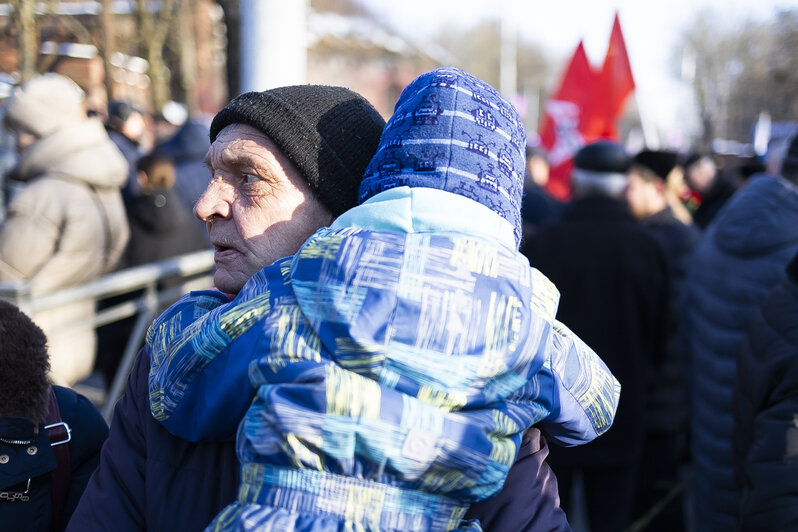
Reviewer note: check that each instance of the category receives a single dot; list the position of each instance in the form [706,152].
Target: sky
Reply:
[651,30]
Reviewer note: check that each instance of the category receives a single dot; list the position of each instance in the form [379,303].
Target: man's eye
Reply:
[250,179]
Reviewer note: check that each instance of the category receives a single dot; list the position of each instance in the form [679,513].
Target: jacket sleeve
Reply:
[199,380]
[585,393]
[115,494]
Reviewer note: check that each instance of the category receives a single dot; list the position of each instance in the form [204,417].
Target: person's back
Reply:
[50,437]
[613,279]
[665,453]
[738,260]
[67,224]
[160,227]
[765,405]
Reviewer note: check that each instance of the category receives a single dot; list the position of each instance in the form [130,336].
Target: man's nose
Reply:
[214,201]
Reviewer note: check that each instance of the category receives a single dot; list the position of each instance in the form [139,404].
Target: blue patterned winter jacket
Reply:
[382,376]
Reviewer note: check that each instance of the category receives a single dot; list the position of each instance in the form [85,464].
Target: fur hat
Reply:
[660,162]
[24,365]
[329,133]
[45,103]
[454,132]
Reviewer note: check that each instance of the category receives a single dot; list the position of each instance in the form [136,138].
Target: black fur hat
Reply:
[329,133]
[24,365]
[660,162]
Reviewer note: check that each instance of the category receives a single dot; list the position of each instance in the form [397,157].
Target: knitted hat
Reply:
[329,133]
[454,132]
[661,162]
[45,104]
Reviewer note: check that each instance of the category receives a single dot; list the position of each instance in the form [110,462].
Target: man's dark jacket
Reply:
[765,410]
[151,480]
[668,405]
[613,282]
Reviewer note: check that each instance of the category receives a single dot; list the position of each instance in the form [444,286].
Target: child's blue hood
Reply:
[453,132]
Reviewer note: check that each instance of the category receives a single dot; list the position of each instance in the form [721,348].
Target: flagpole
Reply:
[650,137]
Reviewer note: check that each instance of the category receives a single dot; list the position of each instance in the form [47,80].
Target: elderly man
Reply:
[283,163]
[613,278]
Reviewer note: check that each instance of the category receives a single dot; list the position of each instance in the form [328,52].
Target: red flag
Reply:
[586,107]
[560,130]
[615,84]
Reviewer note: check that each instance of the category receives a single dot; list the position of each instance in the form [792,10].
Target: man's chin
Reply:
[227,283]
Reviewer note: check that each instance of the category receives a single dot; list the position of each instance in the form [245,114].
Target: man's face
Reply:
[257,206]
[639,194]
[539,170]
[701,174]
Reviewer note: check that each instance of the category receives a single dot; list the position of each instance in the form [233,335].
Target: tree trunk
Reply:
[232,19]
[109,45]
[154,30]
[24,14]
[188,54]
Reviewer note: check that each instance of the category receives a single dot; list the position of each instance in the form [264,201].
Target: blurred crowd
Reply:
[87,192]
[680,270]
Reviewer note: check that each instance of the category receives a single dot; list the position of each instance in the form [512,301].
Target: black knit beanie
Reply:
[329,133]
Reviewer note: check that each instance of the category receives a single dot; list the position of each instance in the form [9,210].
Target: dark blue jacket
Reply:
[766,405]
[132,154]
[740,258]
[151,480]
[88,434]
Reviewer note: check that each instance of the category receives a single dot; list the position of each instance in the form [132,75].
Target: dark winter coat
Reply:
[668,405]
[151,480]
[613,280]
[36,460]
[766,406]
[740,258]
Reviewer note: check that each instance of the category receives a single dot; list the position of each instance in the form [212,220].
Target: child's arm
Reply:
[199,388]
[585,392]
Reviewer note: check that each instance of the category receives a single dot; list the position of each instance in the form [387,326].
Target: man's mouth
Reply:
[223,250]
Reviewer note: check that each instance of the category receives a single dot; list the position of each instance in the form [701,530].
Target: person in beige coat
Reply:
[67,224]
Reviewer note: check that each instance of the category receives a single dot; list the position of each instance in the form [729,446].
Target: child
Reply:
[397,358]
[50,437]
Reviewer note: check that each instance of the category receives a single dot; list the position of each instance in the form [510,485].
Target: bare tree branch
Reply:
[24,13]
